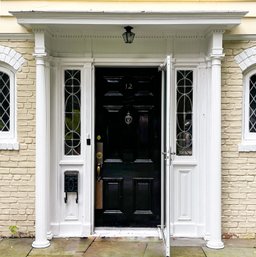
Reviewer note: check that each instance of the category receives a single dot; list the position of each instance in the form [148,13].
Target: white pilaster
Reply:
[41,145]
[214,196]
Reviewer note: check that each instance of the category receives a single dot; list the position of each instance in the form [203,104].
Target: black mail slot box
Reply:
[71,183]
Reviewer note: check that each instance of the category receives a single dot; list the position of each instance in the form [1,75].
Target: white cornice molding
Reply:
[227,18]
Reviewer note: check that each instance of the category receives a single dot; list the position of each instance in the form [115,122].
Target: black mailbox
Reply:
[71,183]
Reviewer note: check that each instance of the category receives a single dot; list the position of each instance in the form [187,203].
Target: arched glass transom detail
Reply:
[4,102]
[184,112]
[72,140]
[252,104]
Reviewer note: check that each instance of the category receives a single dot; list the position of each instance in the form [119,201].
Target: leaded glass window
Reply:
[72,112]
[252,104]
[184,112]
[4,102]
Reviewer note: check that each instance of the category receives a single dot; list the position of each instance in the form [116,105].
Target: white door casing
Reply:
[82,224]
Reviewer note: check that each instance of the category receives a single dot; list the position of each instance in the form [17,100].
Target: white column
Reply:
[214,196]
[48,152]
[41,156]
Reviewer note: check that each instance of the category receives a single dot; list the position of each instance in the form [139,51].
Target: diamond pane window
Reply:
[72,140]
[4,102]
[252,104]
[184,112]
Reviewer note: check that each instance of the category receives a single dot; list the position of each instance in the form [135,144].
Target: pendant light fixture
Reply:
[128,35]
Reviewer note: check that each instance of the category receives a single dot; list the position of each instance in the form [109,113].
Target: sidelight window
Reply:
[184,112]
[72,131]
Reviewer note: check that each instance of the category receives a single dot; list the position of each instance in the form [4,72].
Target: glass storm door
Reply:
[128,147]
[166,148]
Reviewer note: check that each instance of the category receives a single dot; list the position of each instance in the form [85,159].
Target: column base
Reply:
[215,244]
[41,244]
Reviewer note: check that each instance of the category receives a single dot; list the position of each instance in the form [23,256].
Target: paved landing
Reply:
[15,247]
[123,247]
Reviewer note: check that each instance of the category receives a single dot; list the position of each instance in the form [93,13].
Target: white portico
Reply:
[80,42]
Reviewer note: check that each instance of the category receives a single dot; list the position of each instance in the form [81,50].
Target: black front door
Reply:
[128,128]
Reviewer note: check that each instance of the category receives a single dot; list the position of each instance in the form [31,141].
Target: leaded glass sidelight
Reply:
[184,112]
[4,102]
[252,104]
[72,112]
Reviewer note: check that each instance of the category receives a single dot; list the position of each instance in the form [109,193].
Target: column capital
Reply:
[39,29]
[216,57]
[40,49]
[215,31]
[40,56]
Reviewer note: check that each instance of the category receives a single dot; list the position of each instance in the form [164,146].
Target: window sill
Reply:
[10,146]
[247,147]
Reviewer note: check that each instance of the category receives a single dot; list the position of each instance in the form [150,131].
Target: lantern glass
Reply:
[128,36]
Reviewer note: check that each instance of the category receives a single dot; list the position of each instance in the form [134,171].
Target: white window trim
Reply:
[10,62]
[247,61]
[8,139]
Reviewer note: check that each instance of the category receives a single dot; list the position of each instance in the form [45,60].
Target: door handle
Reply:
[98,169]
[168,154]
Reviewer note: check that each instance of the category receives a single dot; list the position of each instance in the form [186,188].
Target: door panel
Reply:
[113,195]
[128,123]
[143,195]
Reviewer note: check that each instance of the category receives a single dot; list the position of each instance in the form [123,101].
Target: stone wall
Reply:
[17,167]
[238,168]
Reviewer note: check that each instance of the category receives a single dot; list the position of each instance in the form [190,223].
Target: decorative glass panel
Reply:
[184,112]
[72,112]
[4,102]
[252,104]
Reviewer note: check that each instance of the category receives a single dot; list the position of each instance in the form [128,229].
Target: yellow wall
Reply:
[139,5]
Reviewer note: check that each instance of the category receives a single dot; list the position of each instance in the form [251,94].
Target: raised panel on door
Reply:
[143,196]
[113,195]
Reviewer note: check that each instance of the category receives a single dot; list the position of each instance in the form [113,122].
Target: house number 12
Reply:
[128,86]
